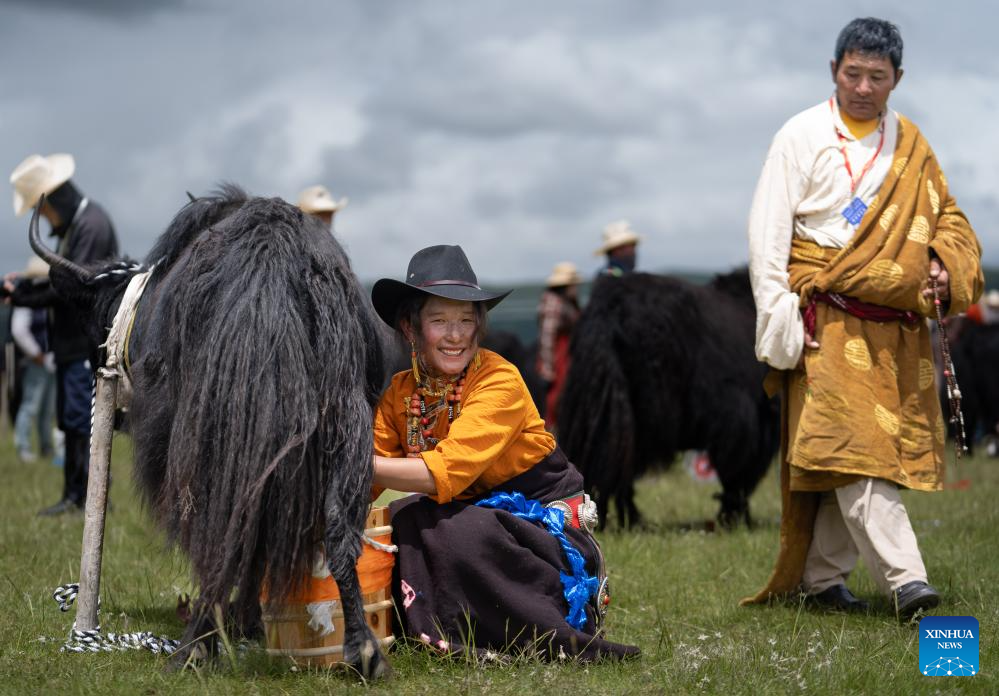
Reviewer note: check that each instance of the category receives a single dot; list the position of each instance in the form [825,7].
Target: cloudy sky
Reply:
[517,129]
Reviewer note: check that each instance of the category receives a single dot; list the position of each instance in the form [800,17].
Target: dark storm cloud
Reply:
[518,129]
[105,8]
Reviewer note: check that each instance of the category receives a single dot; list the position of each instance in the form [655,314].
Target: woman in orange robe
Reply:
[496,554]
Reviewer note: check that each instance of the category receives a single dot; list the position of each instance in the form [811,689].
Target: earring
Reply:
[412,357]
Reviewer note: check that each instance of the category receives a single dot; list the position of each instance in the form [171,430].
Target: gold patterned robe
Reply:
[865,404]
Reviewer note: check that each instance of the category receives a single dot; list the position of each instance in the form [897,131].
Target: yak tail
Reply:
[253,391]
[596,423]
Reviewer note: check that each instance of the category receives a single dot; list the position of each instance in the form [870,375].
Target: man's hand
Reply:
[810,344]
[939,273]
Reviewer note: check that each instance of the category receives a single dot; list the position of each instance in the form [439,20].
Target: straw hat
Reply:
[36,268]
[564,273]
[37,176]
[318,199]
[617,234]
[441,271]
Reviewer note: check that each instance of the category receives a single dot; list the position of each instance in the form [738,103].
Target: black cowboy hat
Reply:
[441,271]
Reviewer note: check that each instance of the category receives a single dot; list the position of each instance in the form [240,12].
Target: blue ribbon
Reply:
[578,587]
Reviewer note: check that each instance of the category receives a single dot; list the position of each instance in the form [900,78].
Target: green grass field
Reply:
[675,594]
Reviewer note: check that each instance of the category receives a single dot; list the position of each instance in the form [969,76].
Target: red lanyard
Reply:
[854,183]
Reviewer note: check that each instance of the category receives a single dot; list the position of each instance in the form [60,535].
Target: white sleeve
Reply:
[20,330]
[779,326]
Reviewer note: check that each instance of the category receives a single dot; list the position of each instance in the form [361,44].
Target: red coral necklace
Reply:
[430,399]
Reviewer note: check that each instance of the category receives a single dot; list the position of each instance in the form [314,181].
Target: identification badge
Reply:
[854,212]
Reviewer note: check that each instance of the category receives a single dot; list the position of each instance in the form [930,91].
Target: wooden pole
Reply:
[97,498]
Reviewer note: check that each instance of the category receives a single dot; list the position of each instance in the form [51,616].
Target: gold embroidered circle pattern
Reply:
[926,373]
[934,196]
[886,419]
[889,361]
[856,354]
[940,431]
[888,217]
[914,438]
[919,232]
[884,274]
[804,393]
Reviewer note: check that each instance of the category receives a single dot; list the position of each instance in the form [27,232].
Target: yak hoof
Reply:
[193,655]
[368,661]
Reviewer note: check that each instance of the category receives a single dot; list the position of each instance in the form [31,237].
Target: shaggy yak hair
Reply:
[255,364]
[660,365]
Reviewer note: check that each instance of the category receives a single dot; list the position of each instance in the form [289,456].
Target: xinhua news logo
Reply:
[948,646]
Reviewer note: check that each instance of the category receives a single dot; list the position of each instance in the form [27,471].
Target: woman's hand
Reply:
[407,474]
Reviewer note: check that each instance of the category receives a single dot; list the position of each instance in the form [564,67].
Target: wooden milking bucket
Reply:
[308,626]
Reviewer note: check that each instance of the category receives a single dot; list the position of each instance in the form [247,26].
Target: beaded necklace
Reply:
[430,399]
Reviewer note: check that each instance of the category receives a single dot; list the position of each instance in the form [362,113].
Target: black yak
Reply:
[660,365]
[255,364]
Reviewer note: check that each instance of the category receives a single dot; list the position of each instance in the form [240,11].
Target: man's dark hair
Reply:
[871,36]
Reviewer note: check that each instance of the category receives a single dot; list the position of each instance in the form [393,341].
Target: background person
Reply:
[621,249]
[29,329]
[851,222]
[461,428]
[558,312]
[85,236]
[318,201]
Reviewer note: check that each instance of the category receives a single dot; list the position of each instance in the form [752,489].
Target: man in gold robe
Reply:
[853,237]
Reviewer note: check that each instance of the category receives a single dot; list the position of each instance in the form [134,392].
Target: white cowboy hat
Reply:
[318,199]
[564,273]
[36,268]
[617,234]
[37,176]
[992,298]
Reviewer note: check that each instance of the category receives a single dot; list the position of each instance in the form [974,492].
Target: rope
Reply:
[387,548]
[121,270]
[579,587]
[94,641]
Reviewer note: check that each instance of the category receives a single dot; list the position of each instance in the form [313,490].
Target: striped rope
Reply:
[94,641]
[121,270]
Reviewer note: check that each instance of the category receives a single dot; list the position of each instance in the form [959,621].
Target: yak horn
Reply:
[191,196]
[49,256]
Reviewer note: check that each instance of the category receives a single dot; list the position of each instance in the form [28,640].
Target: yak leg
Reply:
[627,512]
[733,456]
[198,643]
[360,649]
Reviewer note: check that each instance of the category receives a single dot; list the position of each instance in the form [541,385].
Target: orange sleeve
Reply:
[492,417]
[388,441]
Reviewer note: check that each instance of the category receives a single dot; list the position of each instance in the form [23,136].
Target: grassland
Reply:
[676,591]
